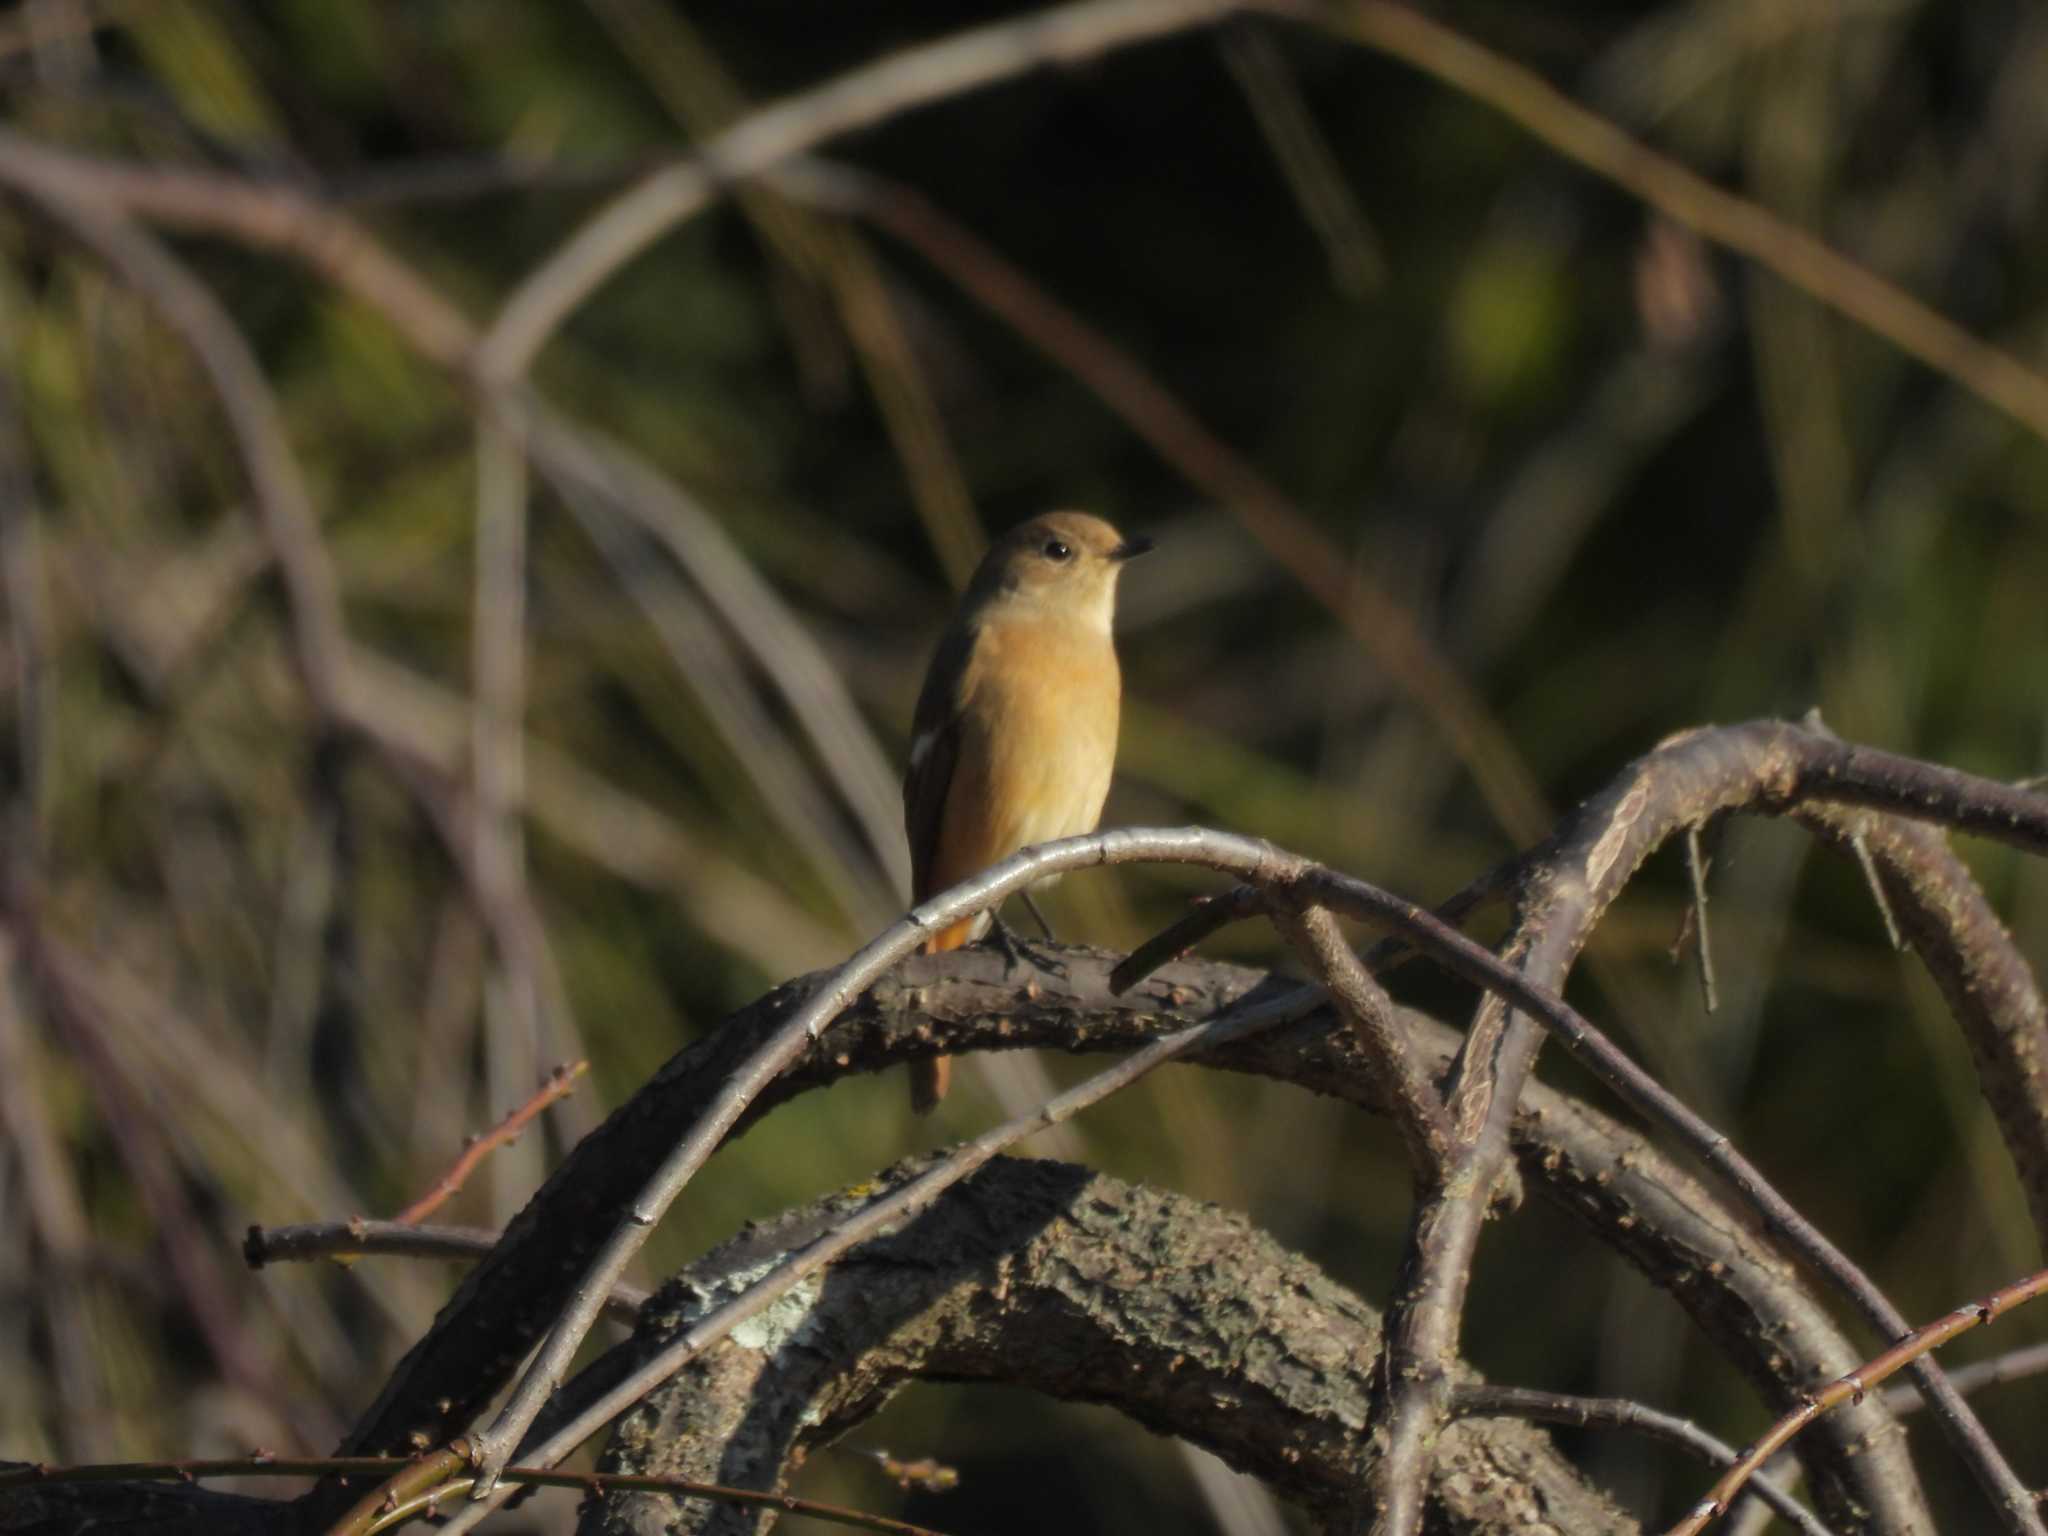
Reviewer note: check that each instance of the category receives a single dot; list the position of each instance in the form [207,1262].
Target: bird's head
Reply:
[1065,563]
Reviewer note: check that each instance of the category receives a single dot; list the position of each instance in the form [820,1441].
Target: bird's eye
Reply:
[1058,549]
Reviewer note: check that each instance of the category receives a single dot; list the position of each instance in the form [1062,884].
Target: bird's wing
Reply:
[934,752]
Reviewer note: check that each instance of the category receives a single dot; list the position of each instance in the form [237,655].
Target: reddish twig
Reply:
[1851,1388]
[559,1085]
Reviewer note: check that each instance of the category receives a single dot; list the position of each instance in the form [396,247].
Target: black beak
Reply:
[1130,549]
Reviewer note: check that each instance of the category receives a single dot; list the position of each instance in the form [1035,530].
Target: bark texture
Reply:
[1749,1301]
[1044,1275]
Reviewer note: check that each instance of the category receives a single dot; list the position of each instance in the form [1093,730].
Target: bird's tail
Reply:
[930,1079]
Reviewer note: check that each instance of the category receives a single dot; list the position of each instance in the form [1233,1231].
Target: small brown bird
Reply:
[1015,735]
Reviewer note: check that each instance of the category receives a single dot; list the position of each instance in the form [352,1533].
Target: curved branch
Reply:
[1686,780]
[1986,982]
[1698,774]
[1620,1413]
[162,1509]
[1764,766]
[1744,1296]
[1185,1317]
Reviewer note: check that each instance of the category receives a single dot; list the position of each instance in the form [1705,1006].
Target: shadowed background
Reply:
[1472,479]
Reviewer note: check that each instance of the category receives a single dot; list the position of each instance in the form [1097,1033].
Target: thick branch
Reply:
[1986,982]
[1183,1316]
[161,1509]
[1685,781]
[1745,1297]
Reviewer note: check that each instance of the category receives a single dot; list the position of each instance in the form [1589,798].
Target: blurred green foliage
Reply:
[1624,484]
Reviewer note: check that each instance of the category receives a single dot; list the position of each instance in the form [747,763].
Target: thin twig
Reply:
[1693,776]
[1794,762]
[561,1082]
[985,891]
[1622,1413]
[1861,843]
[1852,1387]
[1209,915]
[2013,1365]
[1696,872]
[262,1464]
[359,1235]
[883,1213]
[1412,1098]
[1206,916]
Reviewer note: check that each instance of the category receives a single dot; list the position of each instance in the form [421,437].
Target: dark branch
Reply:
[1185,1317]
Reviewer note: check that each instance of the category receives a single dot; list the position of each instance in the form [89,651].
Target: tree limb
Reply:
[1185,1317]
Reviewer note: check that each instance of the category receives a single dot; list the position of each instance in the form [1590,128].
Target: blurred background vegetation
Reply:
[1504,478]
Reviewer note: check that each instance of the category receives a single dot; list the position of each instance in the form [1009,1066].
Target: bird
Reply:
[1014,738]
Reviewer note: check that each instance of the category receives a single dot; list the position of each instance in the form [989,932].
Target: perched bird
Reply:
[1015,735]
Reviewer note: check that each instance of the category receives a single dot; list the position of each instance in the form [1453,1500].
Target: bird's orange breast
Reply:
[1038,709]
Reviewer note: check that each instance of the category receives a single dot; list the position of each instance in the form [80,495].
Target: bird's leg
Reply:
[1031,903]
[1018,952]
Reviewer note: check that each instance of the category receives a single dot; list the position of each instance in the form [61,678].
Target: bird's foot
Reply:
[1019,952]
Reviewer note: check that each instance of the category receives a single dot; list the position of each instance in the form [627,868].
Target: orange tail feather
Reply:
[929,1080]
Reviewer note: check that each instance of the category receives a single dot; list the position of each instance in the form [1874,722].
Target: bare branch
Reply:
[1690,778]
[1207,916]
[1212,1333]
[559,1085]
[1620,1413]
[1852,1387]
[1363,1003]
[1766,766]
[61,1501]
[1696,872]
[1987,983]
[402,1239]
[1741,1293]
